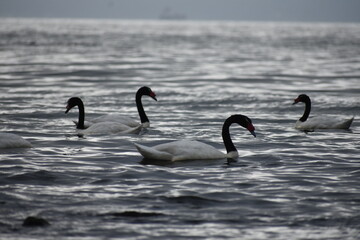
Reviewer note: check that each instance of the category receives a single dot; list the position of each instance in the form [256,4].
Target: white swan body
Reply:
[117,118]
[324,123]
[321,122]
[109,128]
[180,150]
[9,140]
[195,150]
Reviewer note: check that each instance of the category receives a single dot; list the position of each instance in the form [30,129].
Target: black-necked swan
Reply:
[320,122]
[195,150]
[143,91]
[10,140]
[100,127]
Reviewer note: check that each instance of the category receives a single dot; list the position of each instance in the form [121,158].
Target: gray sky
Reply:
[247,10]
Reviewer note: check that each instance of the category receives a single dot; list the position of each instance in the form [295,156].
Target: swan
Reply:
[321,122]
[127,120]
[10,140]
[100,127]
[195,150]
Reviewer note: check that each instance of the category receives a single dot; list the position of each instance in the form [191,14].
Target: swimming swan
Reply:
[10,140]
[321,122]
[194,150]
[100,127]
[143,91]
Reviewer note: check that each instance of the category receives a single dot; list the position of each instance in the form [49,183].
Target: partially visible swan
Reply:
[10,140]
[321,122]
[143,91]
[100,127]
[194,150]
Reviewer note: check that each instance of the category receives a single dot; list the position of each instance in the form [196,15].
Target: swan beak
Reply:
[253,133]
[296,100]
[67,109]
[153,96]
[251,129]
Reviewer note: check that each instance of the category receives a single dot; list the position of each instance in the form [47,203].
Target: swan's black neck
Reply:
[306,114]
[80,124]
[243,121]
[229,145]
[139,105]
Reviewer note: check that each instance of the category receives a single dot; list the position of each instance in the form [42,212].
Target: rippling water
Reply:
[286,184]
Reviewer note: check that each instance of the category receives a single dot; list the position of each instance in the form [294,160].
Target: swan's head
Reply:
[72,102]
[245,122]
[147,91]
[301,98]
[249,126]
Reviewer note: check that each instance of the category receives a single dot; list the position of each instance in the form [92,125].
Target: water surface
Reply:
[286,184]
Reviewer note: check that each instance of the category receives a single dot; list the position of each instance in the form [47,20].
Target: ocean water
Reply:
[286,184]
